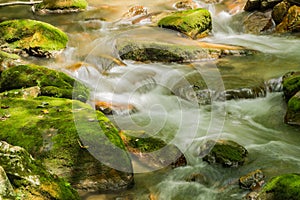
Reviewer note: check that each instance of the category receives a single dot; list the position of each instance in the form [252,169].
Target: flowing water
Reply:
[257,123]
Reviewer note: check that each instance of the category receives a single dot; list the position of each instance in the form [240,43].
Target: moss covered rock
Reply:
[51,82]
[8,60]
[61,6]
[194,23]
[34,37]
[281,187]
[154,51]
[226,152]
[152,152]
[291,84]
[70,139]
[29,178]
[6,189]
[293,110]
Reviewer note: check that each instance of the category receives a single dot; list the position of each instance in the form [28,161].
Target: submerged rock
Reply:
[60,6]
[194,23]
[226,152]
[253,180]
[51,82]
[291,21]
[293,110]
[29,178]
[71,139]
[281,187]
[32,37]
[152,152]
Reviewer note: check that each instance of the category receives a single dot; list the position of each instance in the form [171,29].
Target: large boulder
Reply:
[194,23]
[260,5]
[60,6]
[225,152]
[29,178]
[71,139]
[281,187]
[159,51]
[293,110]
[33,37]
[291,21]
[51,82]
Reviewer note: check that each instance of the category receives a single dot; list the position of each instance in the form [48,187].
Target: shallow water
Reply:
[257,124]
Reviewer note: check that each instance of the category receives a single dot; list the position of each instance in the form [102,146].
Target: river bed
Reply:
[257,124]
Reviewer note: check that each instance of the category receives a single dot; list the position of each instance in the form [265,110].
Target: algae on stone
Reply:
[293,110]
[62,4]
[281,187]
[194,23]
[291,84]
[51,82]
[34,37]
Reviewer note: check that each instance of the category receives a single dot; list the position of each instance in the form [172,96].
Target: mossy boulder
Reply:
[33,37]
[194,23]
[291,84]
[281,187]
[152,152]
[29,178]
[61,6]
[293,110]
[226,152]
[51,82]
[70,139]
[156,51]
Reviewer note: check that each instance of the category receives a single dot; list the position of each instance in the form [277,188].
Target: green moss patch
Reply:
[51,82]
[191,22]
[293,110]
[291,84]
[282,187]
[62,4]
[32,36]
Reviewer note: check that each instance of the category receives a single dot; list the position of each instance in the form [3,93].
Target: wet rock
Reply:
[252,181]
[226,152]
[6,189]
[292,115]
[194,23]
[51,82]
[291,84]
[291,21]
[29,178]
[155,51]
[185,5]
[294,2]
[25,93]
[279,11]
[72,140]
[198,178]
[152,152]
[8,60]
[251,196]
[136,11]
[258,22]
[110,108]
[260,5]
[60,6]
[282,187]
[33,37]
